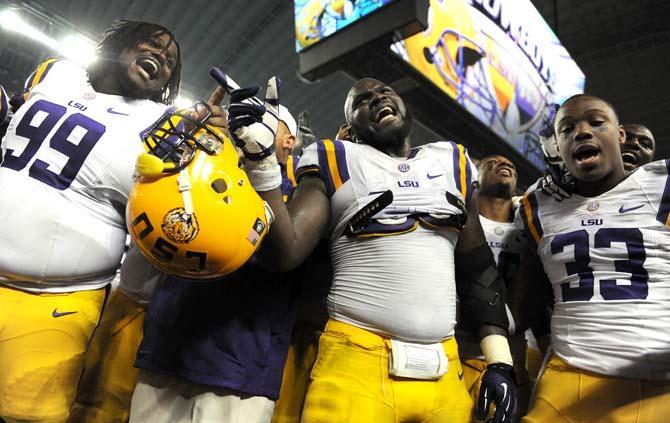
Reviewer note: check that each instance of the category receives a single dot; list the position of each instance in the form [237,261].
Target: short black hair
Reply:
[608,103]
[127,33]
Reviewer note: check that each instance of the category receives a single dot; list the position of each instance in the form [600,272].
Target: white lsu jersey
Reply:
[607,260]
[506,241]
[396,277]
[68,164]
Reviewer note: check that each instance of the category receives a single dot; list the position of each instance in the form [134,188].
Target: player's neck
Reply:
[400,150]
[282,155]
[497,209]
[107,84]
[595,188]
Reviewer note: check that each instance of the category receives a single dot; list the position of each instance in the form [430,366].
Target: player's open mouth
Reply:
[586,154]
[385,114]
[629,158]
[149,66]
[505,171]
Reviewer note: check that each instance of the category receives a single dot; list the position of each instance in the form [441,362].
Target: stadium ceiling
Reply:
[622,46]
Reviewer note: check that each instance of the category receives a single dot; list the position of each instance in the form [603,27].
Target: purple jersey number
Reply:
[638,288]
[36,134]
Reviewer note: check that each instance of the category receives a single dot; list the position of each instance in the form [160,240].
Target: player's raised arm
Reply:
[297,228]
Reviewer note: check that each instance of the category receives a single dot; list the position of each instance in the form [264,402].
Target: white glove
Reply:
[254,127]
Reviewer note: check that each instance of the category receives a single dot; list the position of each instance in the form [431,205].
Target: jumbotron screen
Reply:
[499,60]
[318,19]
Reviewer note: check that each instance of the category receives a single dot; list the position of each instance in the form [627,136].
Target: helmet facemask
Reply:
[175,138]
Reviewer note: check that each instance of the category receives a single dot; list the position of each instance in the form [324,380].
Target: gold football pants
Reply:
[350,383]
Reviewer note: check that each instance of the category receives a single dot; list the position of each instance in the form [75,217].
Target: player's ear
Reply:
[288,142]
[622,135]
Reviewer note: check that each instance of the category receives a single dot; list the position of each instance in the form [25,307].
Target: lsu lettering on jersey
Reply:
[607,260]
[397,277]
[506,241]
[68,163]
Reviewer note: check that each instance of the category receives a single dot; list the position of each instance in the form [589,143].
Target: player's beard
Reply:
[388,136]
[130,88]
[497,190]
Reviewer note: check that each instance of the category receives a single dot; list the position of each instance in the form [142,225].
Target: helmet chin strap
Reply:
[184,182]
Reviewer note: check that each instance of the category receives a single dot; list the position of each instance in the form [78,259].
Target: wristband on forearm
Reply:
[264,175]
[496,349]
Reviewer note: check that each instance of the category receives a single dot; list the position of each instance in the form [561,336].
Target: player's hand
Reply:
[550,187]
[219,117]
[253,125]
[212,111]
[498,387]
[343,133]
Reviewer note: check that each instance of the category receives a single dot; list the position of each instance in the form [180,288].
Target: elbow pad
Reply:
[481,289]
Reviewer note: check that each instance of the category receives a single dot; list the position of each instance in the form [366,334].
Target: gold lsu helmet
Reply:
[193,212]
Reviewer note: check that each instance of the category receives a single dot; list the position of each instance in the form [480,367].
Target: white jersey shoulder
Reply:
[356,173]
[69,157]
[607,260]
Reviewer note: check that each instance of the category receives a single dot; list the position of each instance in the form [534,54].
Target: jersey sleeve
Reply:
[328,160]
[527,217]
[288,180]
[465,172]
[39,75]
[654,180]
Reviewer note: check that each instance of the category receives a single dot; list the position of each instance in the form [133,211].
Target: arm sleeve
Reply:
[328,160]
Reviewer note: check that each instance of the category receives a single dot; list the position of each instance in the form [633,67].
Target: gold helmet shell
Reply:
[193,212]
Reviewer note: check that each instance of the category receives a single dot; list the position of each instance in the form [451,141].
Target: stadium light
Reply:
[74,47]
[78,49]
[12,22]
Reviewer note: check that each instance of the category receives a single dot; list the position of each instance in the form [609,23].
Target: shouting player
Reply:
[497,181]
[605,252]
[69,155]
[639,147]
[388,353]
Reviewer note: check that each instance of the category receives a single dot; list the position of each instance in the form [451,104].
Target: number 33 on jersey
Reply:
[607,260]
[69,157]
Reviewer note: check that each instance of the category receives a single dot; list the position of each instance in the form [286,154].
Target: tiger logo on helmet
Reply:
[193,212]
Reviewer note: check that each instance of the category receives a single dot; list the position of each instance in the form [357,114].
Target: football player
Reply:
[639,147]
[215,351]
[393,215]
[604,251]
[69,155]
[497,184]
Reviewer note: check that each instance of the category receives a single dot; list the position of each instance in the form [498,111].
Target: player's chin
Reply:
[144,89]
[588,174]
[398,129]
[140,86]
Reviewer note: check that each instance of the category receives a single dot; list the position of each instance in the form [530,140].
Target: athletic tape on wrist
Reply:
[264,175]
[496,349]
